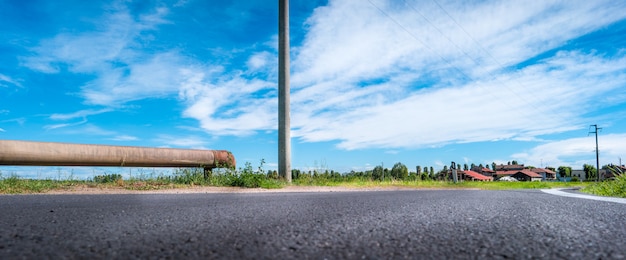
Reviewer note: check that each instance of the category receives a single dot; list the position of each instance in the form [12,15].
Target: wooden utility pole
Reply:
[284,135]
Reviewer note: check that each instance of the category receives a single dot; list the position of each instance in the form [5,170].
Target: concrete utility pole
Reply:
[454,172]
[597,152]
[284,135]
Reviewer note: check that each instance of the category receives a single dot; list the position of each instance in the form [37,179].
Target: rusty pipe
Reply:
[67,154]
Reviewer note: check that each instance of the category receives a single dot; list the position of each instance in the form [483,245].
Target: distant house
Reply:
[545,174]
[484,171]
[604,174]
[470,175]
[526,175]
[508,170]
[519,172]
[580,174]
[611,171]
[509,167]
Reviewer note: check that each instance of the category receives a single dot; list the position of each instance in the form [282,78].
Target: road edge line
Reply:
[560,192]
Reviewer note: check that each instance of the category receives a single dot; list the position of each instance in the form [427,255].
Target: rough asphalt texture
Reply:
[453,224]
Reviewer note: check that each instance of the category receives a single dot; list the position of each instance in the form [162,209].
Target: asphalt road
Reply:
[331,225]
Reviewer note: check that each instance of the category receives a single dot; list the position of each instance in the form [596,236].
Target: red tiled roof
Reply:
[486,170]
[477,176]
[505,172]
[509,167]
[529,173]
[540,170]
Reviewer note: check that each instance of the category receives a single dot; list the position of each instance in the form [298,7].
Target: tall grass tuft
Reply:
[611,188]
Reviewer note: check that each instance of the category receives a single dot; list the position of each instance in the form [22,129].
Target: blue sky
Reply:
[374,81]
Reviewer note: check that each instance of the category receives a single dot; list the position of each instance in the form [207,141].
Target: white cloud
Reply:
[79,114]
[124,138]
[369,80]
[90,129]
[2,130]
[193,142]
[113,53]
[406,77]
[19,121]
[477,111]
[57,126]
[231,105]
[261,60]
[6,81]
[576,151]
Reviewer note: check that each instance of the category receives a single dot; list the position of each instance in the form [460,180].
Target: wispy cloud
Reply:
[113,53]
[372,78]
[79,114]
[183,141]
[382,74]
[2,130]
[6,81]
[57,126]
[19,120]
[86,129]
[124,138]
[230,106]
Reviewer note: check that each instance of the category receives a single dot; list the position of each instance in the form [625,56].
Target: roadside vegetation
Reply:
[250,177]
[610,188]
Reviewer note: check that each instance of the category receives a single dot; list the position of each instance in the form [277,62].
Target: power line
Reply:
[500,65]
[417,39]
[532,103]
[443,58]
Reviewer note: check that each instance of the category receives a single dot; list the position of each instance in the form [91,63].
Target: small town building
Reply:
[526,175]
[469,175]
[484,171]
[546,175]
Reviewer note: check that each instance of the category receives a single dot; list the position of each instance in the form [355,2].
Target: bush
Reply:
[108,178]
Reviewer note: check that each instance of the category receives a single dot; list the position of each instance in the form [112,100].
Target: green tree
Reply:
[399,171]
[564,171]
[590,172]
[377,173]
[418,170]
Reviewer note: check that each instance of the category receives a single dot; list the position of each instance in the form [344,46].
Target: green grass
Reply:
[248,177]
[16,185]
[610,188]
[434,184]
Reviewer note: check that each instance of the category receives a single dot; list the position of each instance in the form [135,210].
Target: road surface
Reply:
[422,224]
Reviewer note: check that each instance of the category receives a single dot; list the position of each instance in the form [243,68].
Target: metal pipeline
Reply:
[66,154]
